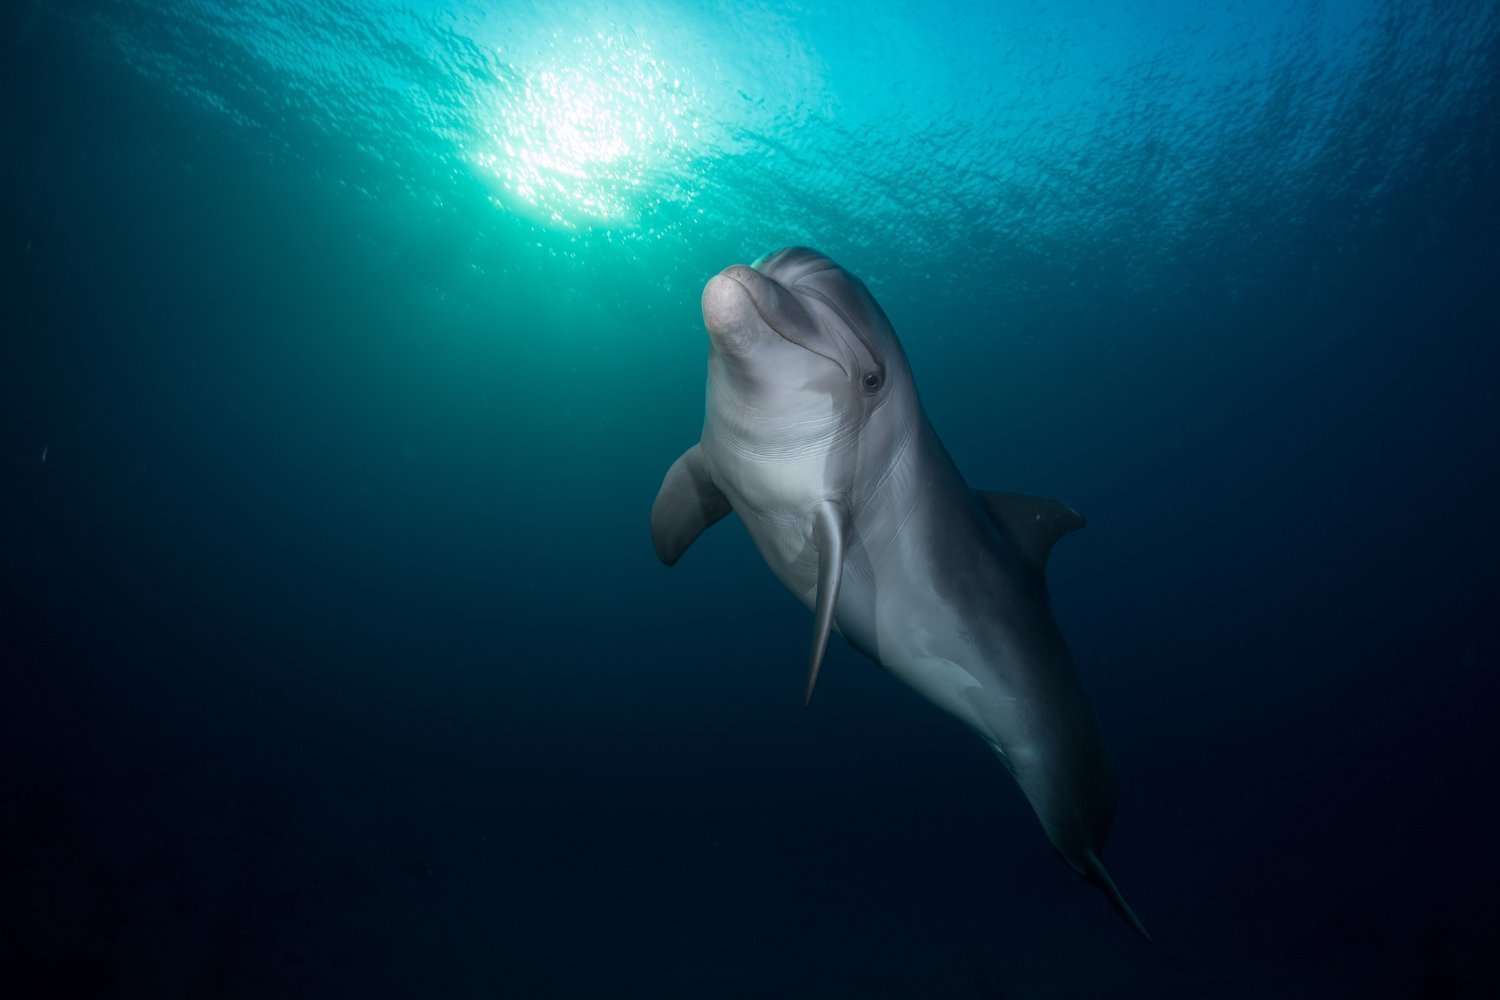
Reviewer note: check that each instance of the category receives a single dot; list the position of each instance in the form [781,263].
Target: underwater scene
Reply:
[525,500]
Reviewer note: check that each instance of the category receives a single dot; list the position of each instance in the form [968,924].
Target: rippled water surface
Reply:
[977,141]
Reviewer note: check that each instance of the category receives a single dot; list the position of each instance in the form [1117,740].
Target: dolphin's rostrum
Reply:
[814,435]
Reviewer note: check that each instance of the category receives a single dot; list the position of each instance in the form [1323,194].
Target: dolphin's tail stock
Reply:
[1099,875]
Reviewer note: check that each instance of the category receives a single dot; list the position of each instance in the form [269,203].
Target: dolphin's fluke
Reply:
[1099,875]
[830,523]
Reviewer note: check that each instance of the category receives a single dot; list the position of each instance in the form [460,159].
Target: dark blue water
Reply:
[344,348]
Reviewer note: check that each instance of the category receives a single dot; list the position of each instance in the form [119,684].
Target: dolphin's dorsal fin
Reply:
[687,503]
[830,530]
[1036,523]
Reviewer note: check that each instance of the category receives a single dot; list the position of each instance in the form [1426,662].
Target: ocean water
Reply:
[343,347]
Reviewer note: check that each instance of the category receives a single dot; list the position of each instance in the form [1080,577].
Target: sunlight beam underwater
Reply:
[591,134]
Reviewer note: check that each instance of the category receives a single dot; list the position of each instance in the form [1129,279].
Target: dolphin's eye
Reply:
[872,381]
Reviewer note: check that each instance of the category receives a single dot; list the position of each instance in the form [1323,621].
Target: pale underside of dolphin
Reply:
[814,435]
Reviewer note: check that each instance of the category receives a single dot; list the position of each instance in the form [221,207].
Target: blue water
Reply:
[344,348]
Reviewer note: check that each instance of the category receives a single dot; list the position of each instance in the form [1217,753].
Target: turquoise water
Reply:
[1024,149]
[345,346]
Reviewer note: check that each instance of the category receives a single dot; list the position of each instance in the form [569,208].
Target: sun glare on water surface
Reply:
[590,134]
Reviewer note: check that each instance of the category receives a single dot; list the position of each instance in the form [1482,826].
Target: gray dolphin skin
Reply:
[813,434]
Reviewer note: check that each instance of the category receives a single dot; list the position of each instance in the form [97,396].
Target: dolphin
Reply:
[814,435]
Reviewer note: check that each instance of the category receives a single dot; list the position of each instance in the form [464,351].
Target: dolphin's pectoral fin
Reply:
[830,529]
[1099,876]
[686,505]
[1035,522]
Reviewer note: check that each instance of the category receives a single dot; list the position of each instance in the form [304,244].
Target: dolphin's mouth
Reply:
[784,313]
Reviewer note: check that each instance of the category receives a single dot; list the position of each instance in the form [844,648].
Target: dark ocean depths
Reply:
[345,345]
